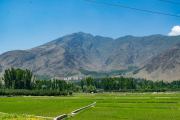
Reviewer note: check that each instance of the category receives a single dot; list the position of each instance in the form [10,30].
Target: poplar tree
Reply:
[82,84]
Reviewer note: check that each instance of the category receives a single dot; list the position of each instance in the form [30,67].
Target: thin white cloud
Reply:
[175,31]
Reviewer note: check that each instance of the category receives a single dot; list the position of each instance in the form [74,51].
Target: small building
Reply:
[75,78]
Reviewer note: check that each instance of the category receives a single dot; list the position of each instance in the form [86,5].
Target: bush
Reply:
[64,93]
[12,92]
[70,92]
[90,89]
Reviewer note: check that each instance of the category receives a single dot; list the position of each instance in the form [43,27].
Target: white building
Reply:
[75,78]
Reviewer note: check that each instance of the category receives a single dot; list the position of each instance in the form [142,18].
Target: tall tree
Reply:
[0,83]
[89,81]
[7,78]
[82,84]
[17,78]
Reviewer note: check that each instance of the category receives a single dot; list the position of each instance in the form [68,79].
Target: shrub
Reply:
[10,92]
[70,92]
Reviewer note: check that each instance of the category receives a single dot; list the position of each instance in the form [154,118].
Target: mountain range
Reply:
[70,54]
[165,66]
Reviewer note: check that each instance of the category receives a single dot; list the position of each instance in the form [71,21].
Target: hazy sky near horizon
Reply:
[25,24]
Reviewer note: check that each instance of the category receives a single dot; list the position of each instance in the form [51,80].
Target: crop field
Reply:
[133,106]
[18,117]
[109,106]
[41,106]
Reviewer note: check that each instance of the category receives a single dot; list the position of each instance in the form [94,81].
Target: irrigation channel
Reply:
[73,112]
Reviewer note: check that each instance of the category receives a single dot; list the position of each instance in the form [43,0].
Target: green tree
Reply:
[105,84]
[53,84]
[48,84]
[44,87]
[38,84]
[17,78]
[85,89]
[7,79]
[89,81]
[19,84]
[13,77]
[152,85]
[121,82]
[28,76]
[90,88]
[77,89]
[0,83]
[82,84]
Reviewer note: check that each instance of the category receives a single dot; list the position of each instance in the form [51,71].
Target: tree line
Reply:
[55,84]
[18,78]
[24,80]
[118,83]
[123,84]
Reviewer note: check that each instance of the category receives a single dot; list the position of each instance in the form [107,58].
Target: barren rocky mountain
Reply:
[68,54]
[165,66]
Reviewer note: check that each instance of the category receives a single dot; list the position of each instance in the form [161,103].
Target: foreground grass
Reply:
[117,112]
[17,117]
[133,107]
[110,106]
[41,106]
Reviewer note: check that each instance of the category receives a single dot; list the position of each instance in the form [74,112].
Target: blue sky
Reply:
[25,24]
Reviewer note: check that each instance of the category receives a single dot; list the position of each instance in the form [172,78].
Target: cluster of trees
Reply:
[136,71]
[87,85]
[83,83]
[1,83]
[117,83]
[128,84]
[24,79]
[12,92]
[148,85]
[18,78]
[55,84]
[107,74]
[42,77]
[90,86]
[131,84]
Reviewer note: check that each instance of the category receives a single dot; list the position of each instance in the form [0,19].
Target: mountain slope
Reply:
[166,66]
[77,51]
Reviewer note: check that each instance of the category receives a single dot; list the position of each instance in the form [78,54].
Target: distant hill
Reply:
[70,54]
[165,66]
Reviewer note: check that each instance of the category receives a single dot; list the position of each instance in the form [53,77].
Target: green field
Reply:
[109,106]
[41,106]
[18,117]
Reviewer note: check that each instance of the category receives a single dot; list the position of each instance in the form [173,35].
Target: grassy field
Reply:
[17,117]
[41,106]
[117,106]
[110,106]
